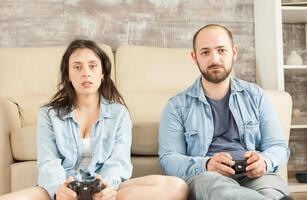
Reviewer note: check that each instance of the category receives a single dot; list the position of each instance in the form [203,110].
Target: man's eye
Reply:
[205,53]
[222,50]
[93,66]
[77,67]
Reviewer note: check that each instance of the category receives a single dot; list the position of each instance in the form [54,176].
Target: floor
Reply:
[299,196]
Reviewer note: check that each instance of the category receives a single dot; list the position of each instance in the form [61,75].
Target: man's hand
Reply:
[256,165]
[221,163]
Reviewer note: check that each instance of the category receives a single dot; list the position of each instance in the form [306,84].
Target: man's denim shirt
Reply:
[186,129]
[59,146]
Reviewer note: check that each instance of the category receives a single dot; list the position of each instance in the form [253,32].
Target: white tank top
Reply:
[87,154]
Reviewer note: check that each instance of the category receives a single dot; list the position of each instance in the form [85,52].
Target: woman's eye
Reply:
[77,67]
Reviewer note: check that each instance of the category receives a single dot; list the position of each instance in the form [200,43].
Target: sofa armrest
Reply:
[282,102]
[5,151]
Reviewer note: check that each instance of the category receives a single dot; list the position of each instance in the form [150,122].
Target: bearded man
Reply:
[222,135]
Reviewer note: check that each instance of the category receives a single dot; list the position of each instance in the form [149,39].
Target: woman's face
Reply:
[85,71]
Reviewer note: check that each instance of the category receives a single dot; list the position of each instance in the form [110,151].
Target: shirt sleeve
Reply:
[172,146]
[50,171]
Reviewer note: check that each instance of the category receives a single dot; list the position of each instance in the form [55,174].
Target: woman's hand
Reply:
[64,193]
[107,193]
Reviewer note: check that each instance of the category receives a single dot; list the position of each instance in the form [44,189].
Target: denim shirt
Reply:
[59,146]
[186,129]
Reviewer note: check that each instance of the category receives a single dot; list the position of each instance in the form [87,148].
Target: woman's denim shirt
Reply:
[186,128]
[60,150]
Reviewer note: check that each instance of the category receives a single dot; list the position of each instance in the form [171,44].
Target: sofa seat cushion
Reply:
[145,165]
[145,138]
[23,175]
[23,143]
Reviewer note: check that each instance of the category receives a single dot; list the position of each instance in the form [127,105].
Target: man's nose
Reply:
[215,58]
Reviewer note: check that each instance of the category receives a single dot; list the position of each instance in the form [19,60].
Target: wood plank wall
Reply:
[161,23]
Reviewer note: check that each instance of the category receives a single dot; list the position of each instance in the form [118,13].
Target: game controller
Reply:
[239,166]
[87,187]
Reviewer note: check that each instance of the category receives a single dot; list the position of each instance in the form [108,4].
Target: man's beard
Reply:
[215,77]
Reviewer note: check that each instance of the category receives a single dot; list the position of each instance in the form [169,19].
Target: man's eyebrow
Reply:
[204,48]
[217,47]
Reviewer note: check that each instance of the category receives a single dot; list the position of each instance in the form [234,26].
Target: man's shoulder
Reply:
[247,87]
[181,97]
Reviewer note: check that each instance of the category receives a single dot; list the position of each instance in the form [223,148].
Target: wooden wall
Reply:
[160,23]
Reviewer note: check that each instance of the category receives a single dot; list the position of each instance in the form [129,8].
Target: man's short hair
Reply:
[208,26]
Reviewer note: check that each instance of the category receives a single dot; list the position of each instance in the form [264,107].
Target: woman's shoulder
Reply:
[113,109]
[47,112]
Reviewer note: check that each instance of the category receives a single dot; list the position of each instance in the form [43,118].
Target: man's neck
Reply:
[215,91]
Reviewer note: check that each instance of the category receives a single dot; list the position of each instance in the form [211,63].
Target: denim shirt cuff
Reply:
[269,164]
[51,190]
[207,158]
[113,181]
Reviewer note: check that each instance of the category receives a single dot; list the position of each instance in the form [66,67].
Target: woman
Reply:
[86,126]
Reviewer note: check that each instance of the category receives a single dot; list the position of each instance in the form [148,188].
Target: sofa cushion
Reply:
[145,165]
[23,175]
[33,70]
[23,143]
[145,138]
[28,107]
[148,76]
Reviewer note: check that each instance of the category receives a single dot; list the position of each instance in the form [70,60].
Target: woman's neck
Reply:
[87,102]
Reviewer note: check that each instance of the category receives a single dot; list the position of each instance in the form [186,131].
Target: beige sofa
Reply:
[146,77]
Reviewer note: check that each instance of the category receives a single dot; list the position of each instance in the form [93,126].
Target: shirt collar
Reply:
[196,90]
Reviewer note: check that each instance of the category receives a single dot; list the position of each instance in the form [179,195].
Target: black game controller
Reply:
[86,188]
[239,166]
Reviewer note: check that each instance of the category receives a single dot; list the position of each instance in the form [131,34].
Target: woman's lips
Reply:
[87,83]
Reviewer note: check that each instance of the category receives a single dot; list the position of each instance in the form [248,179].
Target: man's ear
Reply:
[235,52]
[193,55]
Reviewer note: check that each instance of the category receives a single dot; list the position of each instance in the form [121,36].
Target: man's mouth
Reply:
[215,66]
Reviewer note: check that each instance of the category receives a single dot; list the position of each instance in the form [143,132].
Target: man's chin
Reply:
[215,79]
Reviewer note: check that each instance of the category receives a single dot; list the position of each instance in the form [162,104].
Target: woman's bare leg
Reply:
[35,193]
[153,187]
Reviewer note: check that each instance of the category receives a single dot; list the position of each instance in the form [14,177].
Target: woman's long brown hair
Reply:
[63,101]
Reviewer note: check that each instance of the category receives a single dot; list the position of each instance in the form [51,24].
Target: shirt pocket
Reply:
[193,143]
[252,134]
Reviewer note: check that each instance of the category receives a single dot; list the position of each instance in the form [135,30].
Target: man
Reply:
[218,120]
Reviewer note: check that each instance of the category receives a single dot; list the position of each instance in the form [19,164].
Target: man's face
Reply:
[214,54]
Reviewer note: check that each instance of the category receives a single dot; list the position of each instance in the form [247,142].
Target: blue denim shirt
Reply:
[59,146]
[186,128]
